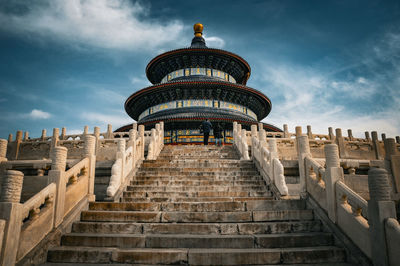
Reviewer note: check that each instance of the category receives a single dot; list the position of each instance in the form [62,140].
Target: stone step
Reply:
[191,199]
[172,194]
[196,188]
[183,170]
[198,228]
[196,217]
[198,178]
[292,179]
[118,264]
[182,206]
[198,182]
[197,174]
[253,256]
[197,241]
[254,205]
[161,161]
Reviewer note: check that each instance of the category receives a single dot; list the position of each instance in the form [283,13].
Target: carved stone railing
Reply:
[366,223]
[128,159]
[156,141]
[263,154]
[66,194]
[37,219]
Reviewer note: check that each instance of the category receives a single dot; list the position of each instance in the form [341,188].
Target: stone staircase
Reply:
[200,206]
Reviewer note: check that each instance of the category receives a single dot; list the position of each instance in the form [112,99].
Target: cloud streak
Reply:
[109,24]
[38,114]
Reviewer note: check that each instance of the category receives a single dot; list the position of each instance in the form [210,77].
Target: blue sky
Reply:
[322,63]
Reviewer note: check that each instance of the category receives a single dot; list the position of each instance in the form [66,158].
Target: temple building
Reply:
[193,84]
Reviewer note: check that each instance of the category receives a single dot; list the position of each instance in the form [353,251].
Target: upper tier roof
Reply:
[198,55]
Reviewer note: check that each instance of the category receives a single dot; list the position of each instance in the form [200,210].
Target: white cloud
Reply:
[101,119]
[214,42]
[111,24]
[38,114]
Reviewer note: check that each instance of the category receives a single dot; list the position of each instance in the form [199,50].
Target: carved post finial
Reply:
[44,134]
[90,145]
[298,131]
[390,148]
[303,144]
[285,131]
[378,184]
[350,134]
[383,135]
[332,155]
[398,139]
[121,145]
[367,137]
[10,137]
[63,133]
[109,134]
[85,130]
[3,148]
[12,186]
[59,158]
[26,135]
[330,133]
[309,132]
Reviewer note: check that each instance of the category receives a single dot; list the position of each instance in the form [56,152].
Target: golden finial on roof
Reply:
[198,29]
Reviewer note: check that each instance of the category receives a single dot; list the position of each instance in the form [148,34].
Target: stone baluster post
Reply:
[11,211]
[239,138]
[26,135]
[3,150]
[333,173]
[367,137]
[162,133]
[96,133]
[383,135]
[392,162]
[152,144]
[54,140]
[350,134]
[57,175]
[63,133]
[109,134]
[132,143]
[398,139]
[303,150]
[10,138]
[142,140]
[44,135]
[89,150]
[331,135]
[121,147]
[17,144]
[245,147]
[309,132]
[254,135]
[85,130]
[234,131]
[285,131]
[380,207]
[158,137]
[340,142]
[375,144]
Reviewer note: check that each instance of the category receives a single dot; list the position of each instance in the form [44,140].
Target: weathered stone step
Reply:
[196,188]
[196,217]
[197,241]
[177,170]
[198,174]
[198,228]
[190,199]
[161,160]
[172,194]
[118,264]
[256,256]
[182,206]
[198,182]
[198,178]
[254,205]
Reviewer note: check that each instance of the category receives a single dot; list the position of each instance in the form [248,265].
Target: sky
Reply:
[71,63]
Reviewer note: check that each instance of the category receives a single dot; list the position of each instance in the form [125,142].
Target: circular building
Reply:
[193,84]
